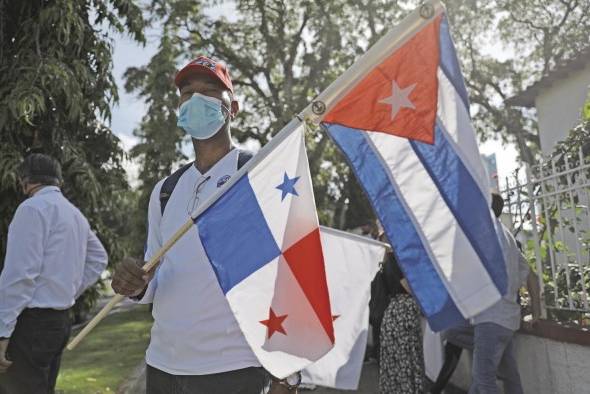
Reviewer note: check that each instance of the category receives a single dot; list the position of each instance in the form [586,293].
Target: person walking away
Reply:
[52,256]
[490,334]
[196,344]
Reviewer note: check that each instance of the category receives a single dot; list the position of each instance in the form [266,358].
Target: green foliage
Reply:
[56,88]
[105,359]
[504,47]
[160,146]
[562,226]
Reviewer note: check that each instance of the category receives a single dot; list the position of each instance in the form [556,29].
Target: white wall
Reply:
[546,367]
[559,107]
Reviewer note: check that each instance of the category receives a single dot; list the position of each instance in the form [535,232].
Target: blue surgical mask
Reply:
[201,116]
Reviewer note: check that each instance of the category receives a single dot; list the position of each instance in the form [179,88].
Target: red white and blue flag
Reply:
[262,238]
[405,128]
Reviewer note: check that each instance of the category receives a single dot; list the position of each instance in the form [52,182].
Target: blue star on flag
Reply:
[288,186]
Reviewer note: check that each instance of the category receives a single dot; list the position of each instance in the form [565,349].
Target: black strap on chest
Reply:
[170,182]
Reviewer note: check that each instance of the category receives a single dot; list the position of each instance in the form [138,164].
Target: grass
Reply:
[106,356]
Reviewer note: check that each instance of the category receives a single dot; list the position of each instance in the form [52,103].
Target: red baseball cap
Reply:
[204,65]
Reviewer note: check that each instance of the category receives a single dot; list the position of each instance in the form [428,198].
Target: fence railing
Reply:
[549,208]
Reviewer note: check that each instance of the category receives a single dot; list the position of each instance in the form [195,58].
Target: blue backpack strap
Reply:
[170,182]
[243,157]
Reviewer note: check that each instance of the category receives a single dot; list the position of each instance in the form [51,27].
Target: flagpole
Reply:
[383,48]
[147,267]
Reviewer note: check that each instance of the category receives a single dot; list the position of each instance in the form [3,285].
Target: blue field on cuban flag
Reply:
[262,238]
[406,131]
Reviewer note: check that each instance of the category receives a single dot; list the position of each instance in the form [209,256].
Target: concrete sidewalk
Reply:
[367,385]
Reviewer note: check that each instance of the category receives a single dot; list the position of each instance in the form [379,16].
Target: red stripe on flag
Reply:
[306,261]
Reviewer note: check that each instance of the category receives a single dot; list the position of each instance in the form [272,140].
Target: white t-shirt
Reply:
[194,331]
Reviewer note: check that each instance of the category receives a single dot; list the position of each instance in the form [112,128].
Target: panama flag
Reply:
[405,129]
[262,238]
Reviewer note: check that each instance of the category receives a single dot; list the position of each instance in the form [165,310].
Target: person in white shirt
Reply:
[52,256]
[196,345]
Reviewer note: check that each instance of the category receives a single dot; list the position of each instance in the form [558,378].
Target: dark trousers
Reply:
[35,350]
[242,381]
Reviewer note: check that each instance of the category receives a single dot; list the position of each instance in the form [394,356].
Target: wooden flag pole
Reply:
[147,267]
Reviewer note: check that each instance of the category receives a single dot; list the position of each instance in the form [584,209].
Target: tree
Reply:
[161,141]
[283,53]
[507,45]
[56,88]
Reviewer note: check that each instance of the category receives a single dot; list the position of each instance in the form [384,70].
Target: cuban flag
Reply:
[404,127]
[262,238]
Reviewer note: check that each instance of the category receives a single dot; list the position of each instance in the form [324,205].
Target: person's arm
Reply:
[405,285]
[96,262]
[535,294]
[529,279]
[129,279]
[22,265]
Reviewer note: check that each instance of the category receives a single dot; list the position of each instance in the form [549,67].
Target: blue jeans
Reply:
[493,356]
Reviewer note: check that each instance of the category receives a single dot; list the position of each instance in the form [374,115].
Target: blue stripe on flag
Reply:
[415,262]
[449,62]
[235,235]
[465,200]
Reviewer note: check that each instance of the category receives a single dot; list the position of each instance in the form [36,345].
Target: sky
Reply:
[127,114]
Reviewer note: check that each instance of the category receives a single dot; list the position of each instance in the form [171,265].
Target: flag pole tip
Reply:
[426,10]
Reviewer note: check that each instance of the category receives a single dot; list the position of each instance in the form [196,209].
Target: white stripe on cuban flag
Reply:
[444,240]
[262,239]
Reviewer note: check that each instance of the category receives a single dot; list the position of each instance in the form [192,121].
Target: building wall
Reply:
[559,107]
[545,366]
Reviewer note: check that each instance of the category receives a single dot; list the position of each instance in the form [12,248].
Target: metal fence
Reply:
[548,206]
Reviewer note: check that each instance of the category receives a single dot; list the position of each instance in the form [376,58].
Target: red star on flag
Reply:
[274,323]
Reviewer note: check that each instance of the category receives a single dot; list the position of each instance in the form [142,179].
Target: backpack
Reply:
[170,182]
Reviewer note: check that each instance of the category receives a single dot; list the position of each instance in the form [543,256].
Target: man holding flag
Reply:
[197,344]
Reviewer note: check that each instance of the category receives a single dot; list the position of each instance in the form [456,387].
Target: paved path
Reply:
[367,385]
